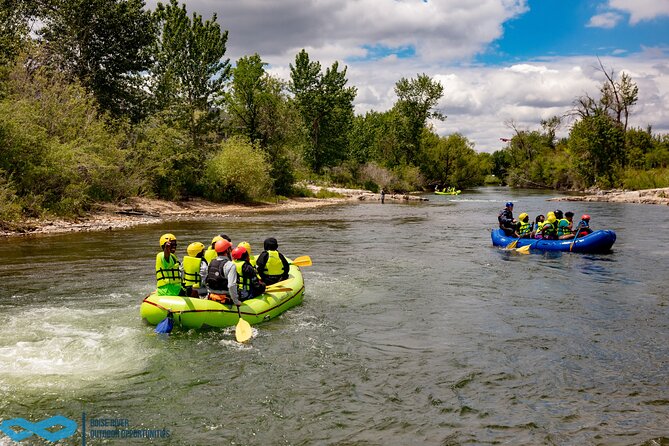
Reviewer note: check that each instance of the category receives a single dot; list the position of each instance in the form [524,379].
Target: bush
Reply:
[239,172]
[646,179]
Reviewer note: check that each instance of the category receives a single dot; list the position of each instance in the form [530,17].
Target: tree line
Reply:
[104,99]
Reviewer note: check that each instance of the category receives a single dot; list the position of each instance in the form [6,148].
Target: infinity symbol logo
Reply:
[40,429]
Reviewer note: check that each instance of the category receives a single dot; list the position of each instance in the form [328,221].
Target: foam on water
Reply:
[69,346]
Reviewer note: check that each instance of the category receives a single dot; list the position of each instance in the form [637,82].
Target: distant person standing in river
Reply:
[506,221]
[383,195]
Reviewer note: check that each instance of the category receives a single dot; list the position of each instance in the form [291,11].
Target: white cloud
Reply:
[606,20]
[640,10]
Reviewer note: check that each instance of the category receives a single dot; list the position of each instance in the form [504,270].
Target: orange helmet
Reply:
[585,217]
[222,246]
[238,253]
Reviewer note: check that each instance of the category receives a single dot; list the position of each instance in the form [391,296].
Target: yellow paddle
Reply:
[277,289]
[302,261]
[243,330]
[524,249]
[513,244]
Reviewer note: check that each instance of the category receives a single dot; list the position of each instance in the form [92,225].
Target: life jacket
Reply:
[274,267]
[168,275]
[525,228]
[540,225]
[216,281]
[192,276]
[209,255]
[563,227]
[549,230]
[242,281]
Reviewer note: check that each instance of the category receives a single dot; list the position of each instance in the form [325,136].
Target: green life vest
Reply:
[563,227]
[192,275]
[209,255]
[274,265]
[167,271]
[525,228]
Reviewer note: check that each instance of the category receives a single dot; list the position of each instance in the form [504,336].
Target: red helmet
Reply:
[585,217]
[222,246]
[238,252]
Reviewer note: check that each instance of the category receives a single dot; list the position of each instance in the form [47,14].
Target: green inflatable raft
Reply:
[190,312]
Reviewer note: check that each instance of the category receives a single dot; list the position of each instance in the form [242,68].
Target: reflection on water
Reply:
[414,329]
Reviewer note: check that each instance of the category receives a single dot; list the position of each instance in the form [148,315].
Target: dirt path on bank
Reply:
[139,211]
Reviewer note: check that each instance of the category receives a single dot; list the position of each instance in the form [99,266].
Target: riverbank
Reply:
[648,196]
[140,211]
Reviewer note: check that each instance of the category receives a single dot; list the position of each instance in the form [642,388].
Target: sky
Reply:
[504,64]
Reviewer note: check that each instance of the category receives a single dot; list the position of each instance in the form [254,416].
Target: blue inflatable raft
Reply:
[596,242]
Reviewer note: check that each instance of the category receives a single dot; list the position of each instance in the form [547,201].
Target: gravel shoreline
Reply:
[142,211]
[647,196]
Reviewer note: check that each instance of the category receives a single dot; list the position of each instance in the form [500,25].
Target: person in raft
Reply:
[222,275]
[566,230]
[506,221]
[210,254]
[271,264]
[538,225]
[194,270]
[584,225]
[168,272]
[249,285]
[247,246]
[524,225]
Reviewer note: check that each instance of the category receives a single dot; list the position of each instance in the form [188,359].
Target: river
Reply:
[413,330]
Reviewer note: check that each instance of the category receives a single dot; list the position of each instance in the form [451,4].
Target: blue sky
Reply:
[561,28]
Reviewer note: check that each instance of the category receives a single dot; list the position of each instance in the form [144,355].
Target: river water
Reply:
[413,330]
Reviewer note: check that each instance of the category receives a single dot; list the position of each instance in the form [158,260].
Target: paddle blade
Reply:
[523,249]
[302,261]
[165,326]
[243,331]
[512,245]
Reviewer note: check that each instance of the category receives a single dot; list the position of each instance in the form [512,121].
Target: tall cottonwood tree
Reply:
[103,44]
[416,102]
[326,106]
[189,72]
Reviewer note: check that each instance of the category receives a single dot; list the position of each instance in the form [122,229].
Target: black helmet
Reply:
[558,214]
[270,244]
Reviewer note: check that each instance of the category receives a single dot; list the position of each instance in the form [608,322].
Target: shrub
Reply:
[238,172]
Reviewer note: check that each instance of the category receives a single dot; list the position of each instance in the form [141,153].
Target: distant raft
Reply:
[452,192]
[190,312]
[597,242]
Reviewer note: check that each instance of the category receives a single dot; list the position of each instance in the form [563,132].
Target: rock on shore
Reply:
[646,196]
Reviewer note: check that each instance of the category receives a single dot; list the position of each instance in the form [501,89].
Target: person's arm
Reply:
[286,267]
[204,270]
[230,271]
[261,261]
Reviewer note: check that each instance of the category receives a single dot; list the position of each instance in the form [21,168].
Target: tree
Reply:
[103,44]
[249,95]
[326,106]
[416,99]
[596,144]
[189,71]
[452,160]
[13,28]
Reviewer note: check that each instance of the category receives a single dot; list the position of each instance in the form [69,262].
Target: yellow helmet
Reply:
[194,249]
[245,245]
[523,216]
[551,218]
[551,213]
[167,238]
[215,239]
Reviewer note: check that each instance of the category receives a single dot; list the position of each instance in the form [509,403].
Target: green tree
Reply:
[596,144]
[189,72]
[452,160]
[416,100]
[103,44]
[326,106]
[13,28]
